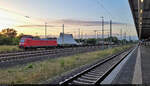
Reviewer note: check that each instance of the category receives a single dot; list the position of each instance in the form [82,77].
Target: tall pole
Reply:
[74,34]
[102,32]
[79,33]
[125,37]
[63,34]
[121,35]
[110,28]
[45,30]
[36,33]
[95,34]
[85,35]
[110,32]
[129,35]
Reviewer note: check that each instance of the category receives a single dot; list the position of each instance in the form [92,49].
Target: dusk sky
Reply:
[29,16]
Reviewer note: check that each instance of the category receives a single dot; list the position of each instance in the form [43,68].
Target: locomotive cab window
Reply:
[22,40]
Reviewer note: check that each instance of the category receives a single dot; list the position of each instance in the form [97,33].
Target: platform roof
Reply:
[145,26]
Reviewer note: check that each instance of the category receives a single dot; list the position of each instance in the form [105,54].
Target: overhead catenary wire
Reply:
[108,12]
[102,6]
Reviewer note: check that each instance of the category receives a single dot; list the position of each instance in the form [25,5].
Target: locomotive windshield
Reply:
[22,40]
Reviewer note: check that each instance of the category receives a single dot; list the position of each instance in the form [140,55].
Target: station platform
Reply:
[135,69]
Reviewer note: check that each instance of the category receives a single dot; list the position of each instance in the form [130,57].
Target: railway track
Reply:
[98,72]
[27,54]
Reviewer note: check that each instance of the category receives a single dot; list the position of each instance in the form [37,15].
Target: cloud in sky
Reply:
[36,26]
[83,22]
[71,22]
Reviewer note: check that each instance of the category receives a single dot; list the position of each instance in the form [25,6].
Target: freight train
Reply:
[29,42]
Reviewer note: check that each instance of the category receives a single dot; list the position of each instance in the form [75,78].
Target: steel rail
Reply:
[28,54]
[99,78]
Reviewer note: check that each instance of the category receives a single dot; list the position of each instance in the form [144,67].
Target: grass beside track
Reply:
[39,71]
[8,48]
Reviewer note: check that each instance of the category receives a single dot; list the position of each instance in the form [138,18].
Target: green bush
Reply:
[29,66]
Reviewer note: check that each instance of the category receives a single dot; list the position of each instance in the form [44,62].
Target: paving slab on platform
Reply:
[126,74]
[137,69]
[145,63]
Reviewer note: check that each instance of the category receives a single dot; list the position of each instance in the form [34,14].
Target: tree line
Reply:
[9,36]
[94,41]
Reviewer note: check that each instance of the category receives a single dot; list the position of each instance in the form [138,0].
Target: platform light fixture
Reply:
[141,11]
[140,23]
[142,1]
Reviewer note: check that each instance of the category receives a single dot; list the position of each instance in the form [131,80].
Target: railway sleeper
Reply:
[4,59]
[95,74]
[86,80]
[88,75]
[79,82]
[100,71]
[89,78]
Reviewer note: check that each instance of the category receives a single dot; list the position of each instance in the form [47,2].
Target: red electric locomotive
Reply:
[32,42]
